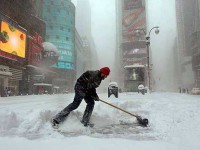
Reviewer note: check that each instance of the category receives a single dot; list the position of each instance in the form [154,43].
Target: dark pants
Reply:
[60,117]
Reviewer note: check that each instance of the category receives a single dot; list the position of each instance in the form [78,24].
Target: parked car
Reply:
[195,91]
[113,89]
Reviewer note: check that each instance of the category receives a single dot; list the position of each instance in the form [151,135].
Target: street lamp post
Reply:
[148,53]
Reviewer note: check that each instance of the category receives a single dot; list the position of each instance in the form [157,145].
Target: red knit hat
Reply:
[105,71]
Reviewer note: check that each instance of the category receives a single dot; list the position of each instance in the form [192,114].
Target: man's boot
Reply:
[60,117]
[86,116]
[54,123]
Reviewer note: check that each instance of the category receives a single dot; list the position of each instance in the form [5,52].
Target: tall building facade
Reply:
[83,26]
[188,27]
[195,38]
[83,18]
[19,25]
[81,59]
[60,30]
[131,53]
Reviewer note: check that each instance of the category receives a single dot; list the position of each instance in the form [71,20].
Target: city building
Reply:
[131,49]
[188,49]
[60,31]
[83,26]
[195,38]
[80,55]
[18,25]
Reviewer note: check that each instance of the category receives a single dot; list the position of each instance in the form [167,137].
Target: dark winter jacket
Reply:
[88,82]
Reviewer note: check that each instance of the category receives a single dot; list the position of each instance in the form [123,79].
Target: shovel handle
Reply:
[119,108]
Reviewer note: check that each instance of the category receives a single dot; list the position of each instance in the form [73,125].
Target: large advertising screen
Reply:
[12,40]
[65,55]
[134,17]
[64,65]
[66,58]
[132,4]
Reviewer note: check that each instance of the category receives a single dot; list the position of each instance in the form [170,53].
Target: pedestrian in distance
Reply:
[85,88]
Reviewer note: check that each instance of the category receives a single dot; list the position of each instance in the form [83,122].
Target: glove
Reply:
[96,98]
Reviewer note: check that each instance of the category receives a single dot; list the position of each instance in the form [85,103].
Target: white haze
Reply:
[103,30]
[103,27]
[162,13]
[159,13]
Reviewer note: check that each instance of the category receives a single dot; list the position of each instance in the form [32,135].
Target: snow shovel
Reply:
[144,122]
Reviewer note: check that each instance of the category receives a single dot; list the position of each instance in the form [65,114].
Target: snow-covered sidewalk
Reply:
[173,117]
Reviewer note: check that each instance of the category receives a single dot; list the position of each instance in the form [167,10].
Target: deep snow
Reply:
[173,117]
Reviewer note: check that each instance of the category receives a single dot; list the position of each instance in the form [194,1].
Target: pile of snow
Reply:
[173,117]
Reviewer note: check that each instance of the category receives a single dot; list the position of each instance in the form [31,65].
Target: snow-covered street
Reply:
[173,123]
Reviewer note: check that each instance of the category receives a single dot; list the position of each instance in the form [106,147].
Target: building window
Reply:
[48,9]
[67,39]
[51,2]
[69,30]
[51,27]
[57,37]
[62,28]
[38,56]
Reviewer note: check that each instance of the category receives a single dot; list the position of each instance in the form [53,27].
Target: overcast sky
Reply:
[103,16]
[162,13]
[159,13]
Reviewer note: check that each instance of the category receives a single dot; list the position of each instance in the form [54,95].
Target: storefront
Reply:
[197,72]
[134,75]
[38,80]
[12,55]
[5,74]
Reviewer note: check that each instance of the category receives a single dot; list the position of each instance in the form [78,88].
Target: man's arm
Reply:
[84,78]
[94,95]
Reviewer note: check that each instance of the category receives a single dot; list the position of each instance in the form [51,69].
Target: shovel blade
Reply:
[144,122]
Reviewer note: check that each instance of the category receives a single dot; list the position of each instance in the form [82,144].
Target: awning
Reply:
[43,70]
[42,84]
[134,66]
[56,87]
[6,73]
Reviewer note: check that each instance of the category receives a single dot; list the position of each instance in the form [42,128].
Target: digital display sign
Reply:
[132,4]
[134,17]
[65,55]
[12,40]
[64,65]
[65,60]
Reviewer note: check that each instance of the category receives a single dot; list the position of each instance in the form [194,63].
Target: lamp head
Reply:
[157,31]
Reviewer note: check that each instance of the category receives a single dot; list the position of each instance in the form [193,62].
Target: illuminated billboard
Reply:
[12,40]
[134,17]
[64,65]
[132,4]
